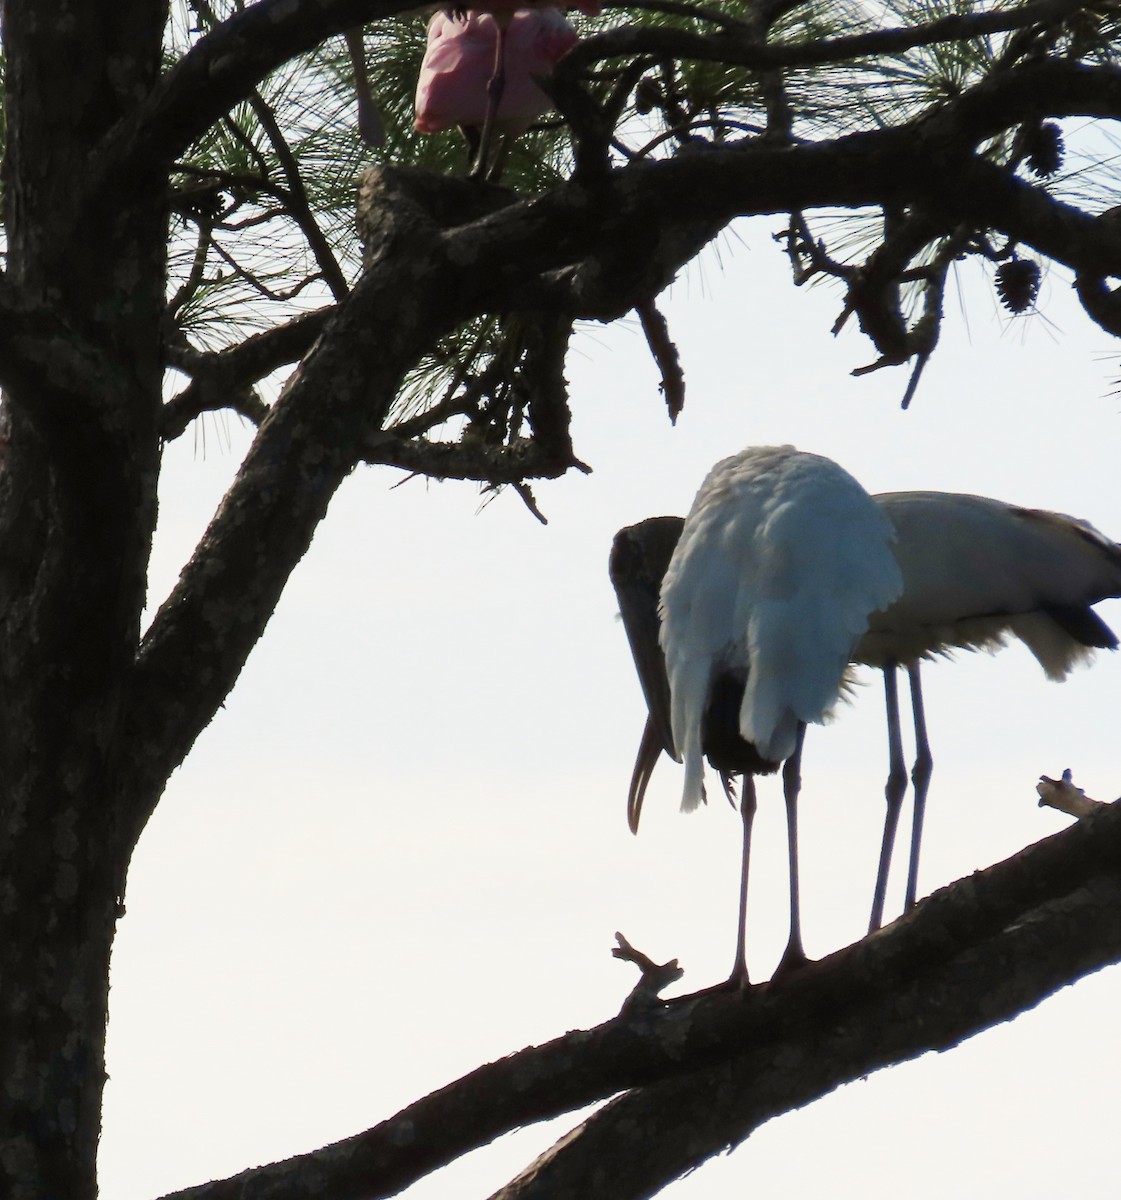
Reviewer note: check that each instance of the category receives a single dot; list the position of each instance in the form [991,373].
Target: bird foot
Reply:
[793,960]
[738,981]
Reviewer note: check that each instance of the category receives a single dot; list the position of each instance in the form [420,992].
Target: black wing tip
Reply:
[1083,624]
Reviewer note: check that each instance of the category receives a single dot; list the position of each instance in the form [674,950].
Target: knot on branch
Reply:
[393,198]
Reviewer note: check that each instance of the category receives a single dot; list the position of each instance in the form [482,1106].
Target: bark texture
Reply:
[96,716]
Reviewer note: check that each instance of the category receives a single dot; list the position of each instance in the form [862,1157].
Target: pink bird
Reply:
[481,65]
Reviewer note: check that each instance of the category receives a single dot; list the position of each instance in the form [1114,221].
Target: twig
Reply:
[665,356]
[1063,795]
[655,976]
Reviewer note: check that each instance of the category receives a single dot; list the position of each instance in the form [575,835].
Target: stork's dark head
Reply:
[640,556]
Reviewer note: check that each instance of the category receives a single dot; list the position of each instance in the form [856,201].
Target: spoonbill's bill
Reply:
[768,587]
[976,572]
[481,64]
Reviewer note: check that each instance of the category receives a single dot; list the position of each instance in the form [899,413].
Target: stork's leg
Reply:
[496,85]
[794,955]
[894,792]
[920,777]
[739,976]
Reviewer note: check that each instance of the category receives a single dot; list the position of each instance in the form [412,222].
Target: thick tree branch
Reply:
[583,251]
[222,68]
[646,1139]
[220,377]
[969,956]
[312,438]
[226,65]
[744,49]
[546,254]
[649,217]
[513,463]
[1031,91]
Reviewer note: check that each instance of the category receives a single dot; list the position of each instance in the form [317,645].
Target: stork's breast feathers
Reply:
[834,574]
[782,560]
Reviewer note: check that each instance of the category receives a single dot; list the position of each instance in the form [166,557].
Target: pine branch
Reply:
[220,70]
[747,51]
[499,254]
[700,1072]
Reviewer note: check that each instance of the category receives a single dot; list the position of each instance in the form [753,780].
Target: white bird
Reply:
[976,572]
[776,570]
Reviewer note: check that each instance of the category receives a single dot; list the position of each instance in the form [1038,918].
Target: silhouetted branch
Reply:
[513,463]
[746,51]
[225,378]
[665,355]
[700,1072]
[655,977]
[578,251]
[221,69]
[640,1142]
[298,207]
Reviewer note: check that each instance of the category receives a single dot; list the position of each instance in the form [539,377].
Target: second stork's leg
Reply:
[920,777]
[894,792]
[794,955]
[739,976]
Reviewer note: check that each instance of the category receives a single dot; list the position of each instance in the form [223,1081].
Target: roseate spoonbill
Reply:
[976,572]
[480,67]
[768,587]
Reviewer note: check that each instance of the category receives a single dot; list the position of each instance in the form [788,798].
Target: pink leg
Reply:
[794,955]
[894,791]
[496,85]
[920,776]
[739,976]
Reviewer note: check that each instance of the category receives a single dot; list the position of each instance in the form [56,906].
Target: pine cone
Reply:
[1017,284]
[1045,149]
[647,96]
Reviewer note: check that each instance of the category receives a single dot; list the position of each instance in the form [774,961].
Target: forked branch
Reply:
[700,1072]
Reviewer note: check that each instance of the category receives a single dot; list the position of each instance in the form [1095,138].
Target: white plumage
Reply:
[975,573]
[781,560]
[775,572]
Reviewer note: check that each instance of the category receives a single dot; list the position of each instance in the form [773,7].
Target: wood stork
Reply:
[481,64]
[976,572]
[765,589]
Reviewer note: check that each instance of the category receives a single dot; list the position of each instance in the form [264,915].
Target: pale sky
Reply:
[401,850]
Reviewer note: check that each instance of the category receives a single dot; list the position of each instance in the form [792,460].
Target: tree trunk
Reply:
[76,522]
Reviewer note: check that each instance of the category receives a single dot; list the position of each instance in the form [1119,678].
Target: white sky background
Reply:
[401,850]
